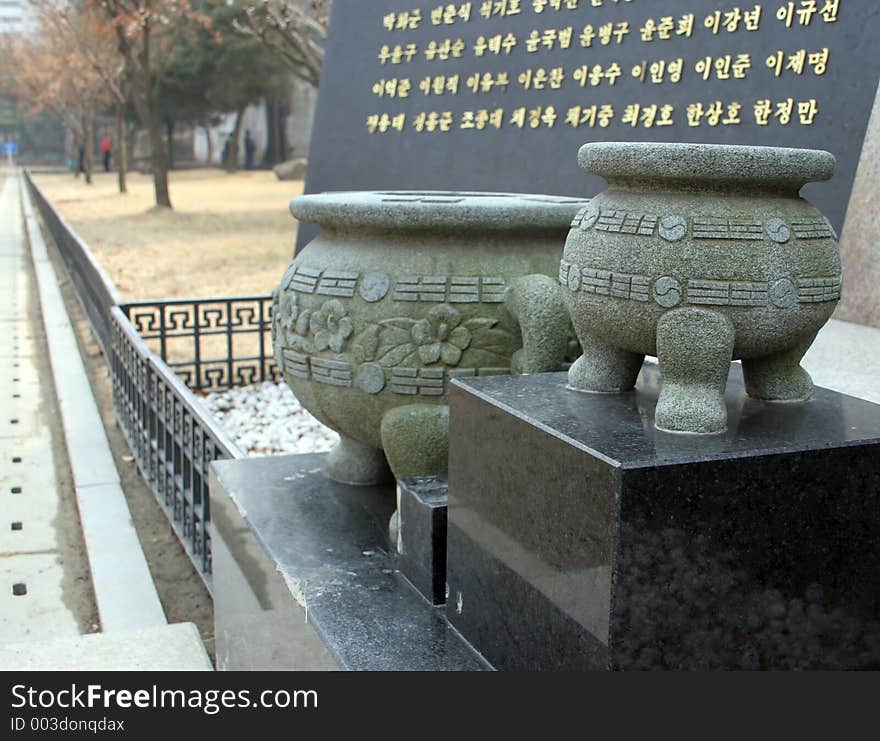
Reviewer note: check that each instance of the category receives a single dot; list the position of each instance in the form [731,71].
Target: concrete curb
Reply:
[166,648]
[124,590]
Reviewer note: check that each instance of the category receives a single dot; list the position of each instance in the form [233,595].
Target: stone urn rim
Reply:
[707,164]
[418,211]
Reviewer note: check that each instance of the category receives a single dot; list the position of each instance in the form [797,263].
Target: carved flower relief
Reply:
[331,326]
[288,313]
[441,337]
[307,330]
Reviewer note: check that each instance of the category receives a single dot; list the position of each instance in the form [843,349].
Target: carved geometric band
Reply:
[819,290]
[813,229]
[674,227]
[373,287]
[454,290]
[422,381]
[669,292]
[372,378]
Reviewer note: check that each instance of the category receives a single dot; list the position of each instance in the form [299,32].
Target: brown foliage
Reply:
[296,29]
[53,73]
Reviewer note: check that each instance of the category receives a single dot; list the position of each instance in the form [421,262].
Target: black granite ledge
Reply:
[627,437]
[294,547]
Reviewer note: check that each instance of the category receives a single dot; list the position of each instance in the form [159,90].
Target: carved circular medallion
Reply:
[370,378]
[667,292]
[374,287]
[574,278]
[783,294]
[673,228]
[778,231]
[590,217]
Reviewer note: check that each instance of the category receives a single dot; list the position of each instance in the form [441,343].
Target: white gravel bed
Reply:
[267,419]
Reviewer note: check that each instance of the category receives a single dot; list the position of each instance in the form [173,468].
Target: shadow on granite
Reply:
[305,578]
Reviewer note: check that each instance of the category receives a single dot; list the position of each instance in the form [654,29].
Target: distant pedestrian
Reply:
[107,151]
[250,149]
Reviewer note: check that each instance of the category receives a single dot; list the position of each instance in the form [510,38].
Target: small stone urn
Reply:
[400,293]
[700,254]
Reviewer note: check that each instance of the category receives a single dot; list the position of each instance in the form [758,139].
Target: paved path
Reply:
[35,599]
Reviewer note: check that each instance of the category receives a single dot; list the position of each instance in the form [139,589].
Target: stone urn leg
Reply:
[352,462]
[604,368]
[694,348]
[416,440]
[780,377]
[536,302]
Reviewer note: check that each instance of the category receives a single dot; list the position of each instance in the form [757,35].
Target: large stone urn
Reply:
[699,255]
[402,292]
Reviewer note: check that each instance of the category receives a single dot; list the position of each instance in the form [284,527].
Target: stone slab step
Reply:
[167,648]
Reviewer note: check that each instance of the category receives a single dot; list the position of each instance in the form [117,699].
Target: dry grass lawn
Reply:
[228,235]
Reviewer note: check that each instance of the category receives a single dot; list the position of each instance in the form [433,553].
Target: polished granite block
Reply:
[580,537]
[421,508]
[306,579]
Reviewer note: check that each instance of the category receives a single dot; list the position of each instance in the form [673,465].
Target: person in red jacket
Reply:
[106,151]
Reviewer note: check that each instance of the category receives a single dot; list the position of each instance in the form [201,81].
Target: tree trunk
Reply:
[232,162]
[152,119]
[269,153]
[90,145]
[77,154]
[206,125]
[121,154]
[275,127]
[169,136]
[283,147]
[157,159]
[138,71]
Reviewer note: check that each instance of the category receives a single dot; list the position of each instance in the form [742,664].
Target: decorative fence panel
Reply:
[211,343]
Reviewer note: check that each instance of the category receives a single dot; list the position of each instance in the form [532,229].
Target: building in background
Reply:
[295,119]
[17,16]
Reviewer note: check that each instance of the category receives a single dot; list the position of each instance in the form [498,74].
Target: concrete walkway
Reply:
[36,599]
[41,621]
[846,358]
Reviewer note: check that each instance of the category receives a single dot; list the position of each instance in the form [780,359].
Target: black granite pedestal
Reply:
[305,576]
[580,537]
[421,510]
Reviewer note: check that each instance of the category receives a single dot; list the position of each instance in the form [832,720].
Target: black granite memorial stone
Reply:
[580,537]
[499,95]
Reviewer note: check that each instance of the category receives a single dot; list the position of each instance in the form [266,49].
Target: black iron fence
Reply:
[159,354]
[173,440]
[94,289]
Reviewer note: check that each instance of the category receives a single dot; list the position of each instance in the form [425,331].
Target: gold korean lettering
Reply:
[804,11]
[500,8]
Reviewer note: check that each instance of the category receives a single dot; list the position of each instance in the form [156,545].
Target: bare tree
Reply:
[93,38]
[52,74]
[141,26]
[295,29]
